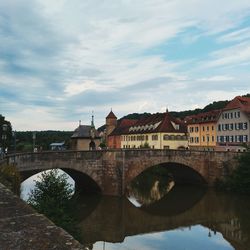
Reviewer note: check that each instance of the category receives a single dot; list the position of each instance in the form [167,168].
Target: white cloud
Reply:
[55,52]
[235,36]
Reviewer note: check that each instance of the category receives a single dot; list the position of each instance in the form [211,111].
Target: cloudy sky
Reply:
[61,59]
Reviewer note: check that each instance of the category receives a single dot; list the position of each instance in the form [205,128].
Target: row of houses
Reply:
[224,129]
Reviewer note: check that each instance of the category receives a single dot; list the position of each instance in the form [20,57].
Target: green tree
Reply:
[52,196]
[239,180]
[10,177]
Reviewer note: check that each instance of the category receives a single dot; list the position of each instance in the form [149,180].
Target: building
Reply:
[57,146]
[85,137]
[233,125]
[114,138]
[111,123]
[158,131]
[202,130]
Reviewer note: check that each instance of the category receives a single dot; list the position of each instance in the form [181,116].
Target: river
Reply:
[187,217]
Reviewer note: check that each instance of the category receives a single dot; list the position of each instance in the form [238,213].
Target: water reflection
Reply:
[186,218]
[150,186]
[216,221]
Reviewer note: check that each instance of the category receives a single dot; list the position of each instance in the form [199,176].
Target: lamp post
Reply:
[4,136]
[34,140]
[14,138]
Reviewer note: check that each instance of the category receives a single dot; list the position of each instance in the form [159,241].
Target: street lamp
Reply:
[4,136]
[34,140]
[14,140]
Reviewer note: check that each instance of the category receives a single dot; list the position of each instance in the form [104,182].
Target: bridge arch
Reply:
[83,182]
[182,170]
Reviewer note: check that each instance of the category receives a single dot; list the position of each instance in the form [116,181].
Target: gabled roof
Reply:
[159,122]
[211,116]
[239,102]
[111,115]
[84,131]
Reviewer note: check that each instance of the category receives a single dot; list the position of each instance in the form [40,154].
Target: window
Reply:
[219,127]
[196,129]
[245,138]
[146,137]
[203,128]
[154,137]
[231,126]
[212,138]
[245,125]
[212,127]
[203,138]
[238,114]
[166,137]
[207,138]
[207,128]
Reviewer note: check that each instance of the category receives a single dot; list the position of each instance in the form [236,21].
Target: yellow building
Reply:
[158,131]
[202,130]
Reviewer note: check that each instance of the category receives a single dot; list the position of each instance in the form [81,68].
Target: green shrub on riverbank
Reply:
[10,177]
[52,196]
[239,180]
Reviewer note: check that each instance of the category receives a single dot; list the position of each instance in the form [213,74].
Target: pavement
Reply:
[22,228]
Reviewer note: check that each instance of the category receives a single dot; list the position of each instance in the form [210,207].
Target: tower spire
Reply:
[92,120]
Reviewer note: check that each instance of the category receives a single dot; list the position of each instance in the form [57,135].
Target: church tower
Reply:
[111,123]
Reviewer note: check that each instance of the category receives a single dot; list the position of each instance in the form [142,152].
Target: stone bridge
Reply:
[110,171]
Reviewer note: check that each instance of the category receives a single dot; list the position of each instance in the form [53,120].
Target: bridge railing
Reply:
[98,154]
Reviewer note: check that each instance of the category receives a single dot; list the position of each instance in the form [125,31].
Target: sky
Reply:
[60,60]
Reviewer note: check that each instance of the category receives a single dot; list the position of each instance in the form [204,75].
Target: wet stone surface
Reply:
[21,227]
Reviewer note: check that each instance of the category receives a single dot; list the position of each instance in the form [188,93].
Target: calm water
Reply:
[185,218]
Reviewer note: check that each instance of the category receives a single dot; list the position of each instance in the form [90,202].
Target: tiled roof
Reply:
[159,122]
[122,126]
[111,115]
[243,103]
[83,131]
[211,116]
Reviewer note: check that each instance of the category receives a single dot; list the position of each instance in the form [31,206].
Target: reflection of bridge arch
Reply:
[112,170]
[215,211]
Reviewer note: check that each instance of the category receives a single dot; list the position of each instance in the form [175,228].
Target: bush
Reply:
[239,180]
[52,196]
[10,177]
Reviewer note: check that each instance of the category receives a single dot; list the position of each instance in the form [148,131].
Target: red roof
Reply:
[123,126]
[239,102]
[111,115]
[159,122]
[211,116]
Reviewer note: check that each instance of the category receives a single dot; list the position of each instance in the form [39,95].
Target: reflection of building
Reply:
[85,137]
[202,130]
[233,124]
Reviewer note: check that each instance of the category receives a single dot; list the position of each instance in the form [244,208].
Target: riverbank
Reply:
[21,227]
